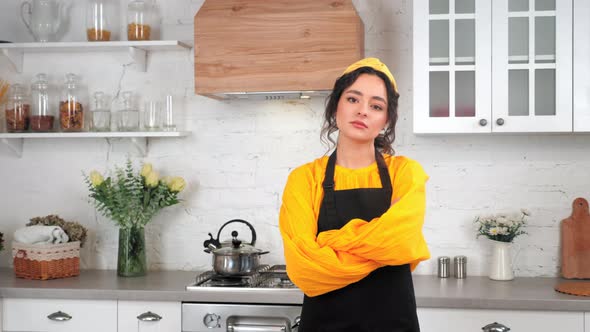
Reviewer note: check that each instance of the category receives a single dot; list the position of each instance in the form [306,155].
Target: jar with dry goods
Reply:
[42,117]
[18,109]
[140,20]
[71,105]
[100,19]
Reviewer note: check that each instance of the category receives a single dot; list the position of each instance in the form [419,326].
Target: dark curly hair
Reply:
[384,141]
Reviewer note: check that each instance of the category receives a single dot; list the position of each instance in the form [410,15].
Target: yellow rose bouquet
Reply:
[132,199]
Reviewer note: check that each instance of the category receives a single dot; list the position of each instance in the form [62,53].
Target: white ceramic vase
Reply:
[501,263]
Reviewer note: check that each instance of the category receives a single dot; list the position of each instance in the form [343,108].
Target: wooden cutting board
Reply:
[575,242]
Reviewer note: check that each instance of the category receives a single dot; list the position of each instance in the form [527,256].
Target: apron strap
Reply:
[383,173]
[328,185]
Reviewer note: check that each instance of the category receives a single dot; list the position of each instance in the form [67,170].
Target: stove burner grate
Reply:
[266,276]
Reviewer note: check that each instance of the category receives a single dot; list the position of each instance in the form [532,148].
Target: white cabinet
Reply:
[484,66]
[135,316]
[581,66]
[59,315]
[470,320]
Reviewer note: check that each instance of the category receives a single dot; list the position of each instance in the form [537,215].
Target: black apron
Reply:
[382,301]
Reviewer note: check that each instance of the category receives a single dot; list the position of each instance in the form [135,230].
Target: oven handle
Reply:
[256,328]
[261,324]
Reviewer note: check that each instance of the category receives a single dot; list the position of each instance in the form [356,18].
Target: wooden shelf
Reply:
[138,50]
[14,141]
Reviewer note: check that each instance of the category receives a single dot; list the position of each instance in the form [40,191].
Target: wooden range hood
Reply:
[275,49]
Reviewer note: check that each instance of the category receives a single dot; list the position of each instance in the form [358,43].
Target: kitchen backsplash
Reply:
[239,154]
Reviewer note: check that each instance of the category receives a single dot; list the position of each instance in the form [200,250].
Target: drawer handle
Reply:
[59,316]
[495,327]
[149,317]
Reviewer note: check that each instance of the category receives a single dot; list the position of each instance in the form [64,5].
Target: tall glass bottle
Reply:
[71,105]
[18,109]
[101,114]
[129,114]
[42,117]
[100,20]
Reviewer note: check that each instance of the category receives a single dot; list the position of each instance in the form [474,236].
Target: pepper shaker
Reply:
[444,263]
[460,263]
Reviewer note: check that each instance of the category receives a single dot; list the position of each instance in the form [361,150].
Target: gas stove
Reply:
[266,276]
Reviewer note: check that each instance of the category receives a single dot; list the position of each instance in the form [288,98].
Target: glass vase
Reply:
[131,260]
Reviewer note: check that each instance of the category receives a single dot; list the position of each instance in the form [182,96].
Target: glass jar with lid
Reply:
[101,113]
[129,114]
[100,20]
[140,20]
[18,108]
[42,117]
[71,105]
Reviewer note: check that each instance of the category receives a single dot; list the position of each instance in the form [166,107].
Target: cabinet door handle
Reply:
[483,122]
[149,317]
[500,121]
[59,316]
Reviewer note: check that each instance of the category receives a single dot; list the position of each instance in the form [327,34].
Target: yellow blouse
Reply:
[337,258]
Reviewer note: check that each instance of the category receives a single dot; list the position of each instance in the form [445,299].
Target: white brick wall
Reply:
[239,154]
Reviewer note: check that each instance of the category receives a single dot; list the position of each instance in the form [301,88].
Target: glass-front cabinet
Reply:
[582,66]
[532,66]
[485,66]
[452,66]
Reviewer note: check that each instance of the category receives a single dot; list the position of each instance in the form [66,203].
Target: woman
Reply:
[352,223]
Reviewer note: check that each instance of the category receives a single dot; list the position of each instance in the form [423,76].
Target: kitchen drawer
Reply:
[157,316]
[31,315]
[469,320]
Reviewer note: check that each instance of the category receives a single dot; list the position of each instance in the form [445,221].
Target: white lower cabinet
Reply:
[587,322]
[42,315]
[470,320]
[135,316]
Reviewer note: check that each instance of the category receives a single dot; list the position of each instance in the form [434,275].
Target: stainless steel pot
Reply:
[235,258]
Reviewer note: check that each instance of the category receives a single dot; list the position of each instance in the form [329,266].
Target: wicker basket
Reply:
[49,261]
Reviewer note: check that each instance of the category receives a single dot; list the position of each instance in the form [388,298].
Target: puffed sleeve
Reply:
[316,269]
[396,237]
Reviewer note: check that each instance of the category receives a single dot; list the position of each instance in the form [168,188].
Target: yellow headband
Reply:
[375,64]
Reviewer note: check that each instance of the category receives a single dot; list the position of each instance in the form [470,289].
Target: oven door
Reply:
[213,317]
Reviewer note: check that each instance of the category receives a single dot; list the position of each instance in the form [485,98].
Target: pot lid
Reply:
[236,248]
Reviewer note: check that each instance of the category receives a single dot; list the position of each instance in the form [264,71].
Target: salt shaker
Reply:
[444,263]
[460,263]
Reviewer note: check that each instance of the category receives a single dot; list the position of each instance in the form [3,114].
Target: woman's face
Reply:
[362,110]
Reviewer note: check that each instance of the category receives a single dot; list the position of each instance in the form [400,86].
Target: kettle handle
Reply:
[244,222]
[25,16]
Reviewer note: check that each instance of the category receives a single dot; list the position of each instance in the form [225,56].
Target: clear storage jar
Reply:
[100,19]
[42,116]
[129,114]
[101,114]
[140,20]
[71,105]
[18,109]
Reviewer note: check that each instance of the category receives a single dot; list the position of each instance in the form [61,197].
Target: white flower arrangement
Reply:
[502,227]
